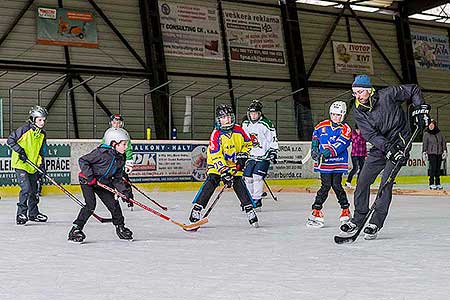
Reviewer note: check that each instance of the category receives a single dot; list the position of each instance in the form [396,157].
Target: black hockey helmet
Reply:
[116,118]
[255,106]
[223,110]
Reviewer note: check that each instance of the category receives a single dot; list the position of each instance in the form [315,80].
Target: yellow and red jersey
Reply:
[223,147]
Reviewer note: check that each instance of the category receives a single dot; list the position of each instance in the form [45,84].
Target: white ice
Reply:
[227,259]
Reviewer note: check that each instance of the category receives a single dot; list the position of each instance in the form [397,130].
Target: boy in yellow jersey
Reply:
[228,152]
[28,142]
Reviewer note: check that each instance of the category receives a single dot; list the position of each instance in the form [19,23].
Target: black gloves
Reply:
[421,115]
[22,155]
[227,179]
[315,154]
[273,157]
[241,159]
[396,154]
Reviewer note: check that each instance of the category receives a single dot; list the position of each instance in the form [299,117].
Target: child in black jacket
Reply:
[104,164]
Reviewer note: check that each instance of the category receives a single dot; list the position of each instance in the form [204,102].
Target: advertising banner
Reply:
[431,51]
[352,58]
[254,37]
[66,27]
[190,30]
[57,164]
[169,162]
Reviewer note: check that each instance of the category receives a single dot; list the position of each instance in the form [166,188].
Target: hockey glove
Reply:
[227,179]
[83,180]
[22,155]
[241,160]
[396,154]
[41,172]
[273,157]
[444,154]
[315,149]
[425,156]
[421,115]
[326,153]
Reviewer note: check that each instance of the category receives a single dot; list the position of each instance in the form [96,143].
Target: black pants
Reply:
[28,199]
[213,181]
[358,163]
[374,164]
[107,198]
[435,168]
[330,180]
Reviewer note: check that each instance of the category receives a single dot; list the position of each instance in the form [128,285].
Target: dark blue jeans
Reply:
[28,200]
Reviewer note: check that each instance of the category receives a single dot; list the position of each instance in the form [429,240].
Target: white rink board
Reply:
[227,259]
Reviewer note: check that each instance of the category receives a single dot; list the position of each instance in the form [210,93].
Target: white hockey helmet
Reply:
[37,112]
[115,135]
[339,108]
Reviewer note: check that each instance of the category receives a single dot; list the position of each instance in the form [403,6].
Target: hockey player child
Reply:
[104,164]
[384,124]
[265,148]
[116,121]
[29,143]
[330,141]
[227,153]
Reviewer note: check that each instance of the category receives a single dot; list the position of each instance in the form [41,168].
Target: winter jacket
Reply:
[433,143]
[359,147]
[386,124]
[33,140]
[104,164]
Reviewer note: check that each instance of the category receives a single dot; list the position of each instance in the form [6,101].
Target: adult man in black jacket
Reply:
[384,124]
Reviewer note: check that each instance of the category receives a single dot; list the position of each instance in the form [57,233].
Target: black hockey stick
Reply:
[350,239]
[143,194]
[214,202]
[71,196]
[270,191]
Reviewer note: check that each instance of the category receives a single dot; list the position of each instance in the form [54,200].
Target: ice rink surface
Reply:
[226,259]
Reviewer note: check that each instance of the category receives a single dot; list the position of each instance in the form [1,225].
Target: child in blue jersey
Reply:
[330,141]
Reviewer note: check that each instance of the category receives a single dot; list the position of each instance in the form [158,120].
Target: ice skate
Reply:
[370,232]
[439,187]
[21,219]
[348,228]
[432,187]
[264,194]
[251,215]
[258,205]
[39,218]
[76,235]
[316,219]
[345,215]
[196,213]
[124,233]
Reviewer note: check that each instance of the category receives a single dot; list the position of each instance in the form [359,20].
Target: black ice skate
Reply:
[130,205]
[39,218]
[370,232]
[264,194]
[196,213]
[21,219]
[124,233]
[76,235]
[251,215]
[258,204]
[349,228]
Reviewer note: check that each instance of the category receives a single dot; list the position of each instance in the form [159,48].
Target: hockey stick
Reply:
[188,227]
[143,194]
[270,191]
[71,196]
[350,239]
[214,202]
